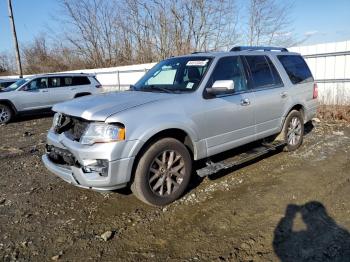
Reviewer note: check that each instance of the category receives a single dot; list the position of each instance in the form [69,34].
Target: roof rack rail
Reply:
[258,48]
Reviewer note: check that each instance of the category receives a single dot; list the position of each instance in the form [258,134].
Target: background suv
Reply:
[7,82]
[184,109]
[42,92]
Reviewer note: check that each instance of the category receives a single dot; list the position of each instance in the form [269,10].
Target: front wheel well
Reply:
[176,133]
[9,104]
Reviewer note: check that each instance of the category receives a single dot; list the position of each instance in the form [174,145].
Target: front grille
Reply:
[73,127]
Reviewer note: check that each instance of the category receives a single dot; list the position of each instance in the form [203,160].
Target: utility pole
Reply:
[18,57]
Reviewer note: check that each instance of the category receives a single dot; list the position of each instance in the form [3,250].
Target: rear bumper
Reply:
[310,110]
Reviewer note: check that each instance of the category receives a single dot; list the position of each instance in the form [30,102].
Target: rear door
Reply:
[270,94]
[59,89]
[80,84]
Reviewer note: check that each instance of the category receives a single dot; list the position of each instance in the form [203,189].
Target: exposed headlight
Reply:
[57,121]
[102,133]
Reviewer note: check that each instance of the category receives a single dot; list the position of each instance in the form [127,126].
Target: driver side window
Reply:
[39,83]
[230,68]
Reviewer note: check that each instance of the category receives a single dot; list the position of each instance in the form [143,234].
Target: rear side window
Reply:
[263,72]
[296,68]
[55,82]
[67,81]
[80,80]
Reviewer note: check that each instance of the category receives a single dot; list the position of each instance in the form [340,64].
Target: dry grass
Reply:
[334,112]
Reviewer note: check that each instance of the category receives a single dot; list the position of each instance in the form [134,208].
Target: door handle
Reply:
[284,94]
[73,88]
[44,91]
[245,102]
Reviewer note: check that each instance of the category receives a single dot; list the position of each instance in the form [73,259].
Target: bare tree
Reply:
[40,57]
[7,64]
[159,29]
[92,29]
[269,23]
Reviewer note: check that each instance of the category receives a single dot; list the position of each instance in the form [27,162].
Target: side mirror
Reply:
[221,87]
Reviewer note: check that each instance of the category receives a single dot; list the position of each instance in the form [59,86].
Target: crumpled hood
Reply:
[100,107]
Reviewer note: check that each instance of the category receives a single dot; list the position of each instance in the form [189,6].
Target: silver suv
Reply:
[42,92]
[184,109]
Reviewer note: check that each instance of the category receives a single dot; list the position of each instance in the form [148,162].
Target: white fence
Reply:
[118,78]
[330,65]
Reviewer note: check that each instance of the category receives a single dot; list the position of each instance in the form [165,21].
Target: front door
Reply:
[35,95]
[227,121]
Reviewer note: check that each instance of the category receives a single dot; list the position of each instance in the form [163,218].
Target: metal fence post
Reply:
[118,80]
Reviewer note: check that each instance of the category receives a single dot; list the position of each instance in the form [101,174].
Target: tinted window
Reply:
[55,82]
[80,80]
[264,74]
[67,81]
[296,68]
[230,68]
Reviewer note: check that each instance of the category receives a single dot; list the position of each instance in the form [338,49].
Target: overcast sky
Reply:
[320,20]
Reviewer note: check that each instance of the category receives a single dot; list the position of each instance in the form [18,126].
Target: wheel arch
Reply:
[10,104]
[82,94]
[299,107]
[176,133]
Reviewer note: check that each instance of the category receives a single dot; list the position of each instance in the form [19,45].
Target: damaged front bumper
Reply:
[100,167]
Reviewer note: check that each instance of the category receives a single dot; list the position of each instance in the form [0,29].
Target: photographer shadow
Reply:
[322,240]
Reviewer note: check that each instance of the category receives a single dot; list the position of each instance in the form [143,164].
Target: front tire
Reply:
[163,172]
[6,114]
[293,130]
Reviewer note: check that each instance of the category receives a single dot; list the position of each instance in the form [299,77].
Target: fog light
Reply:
[96,166]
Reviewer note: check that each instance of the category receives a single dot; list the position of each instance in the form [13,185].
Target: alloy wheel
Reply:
[5,114]
[294,131]
[166,173]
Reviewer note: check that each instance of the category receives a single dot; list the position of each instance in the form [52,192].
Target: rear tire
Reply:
[6,114]
[293,130]
[162,173]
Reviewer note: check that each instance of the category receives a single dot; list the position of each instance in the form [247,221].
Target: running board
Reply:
[239,159]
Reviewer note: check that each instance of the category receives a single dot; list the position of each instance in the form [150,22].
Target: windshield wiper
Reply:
[153,87]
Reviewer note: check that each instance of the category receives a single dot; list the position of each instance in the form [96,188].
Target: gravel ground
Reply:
[284,206]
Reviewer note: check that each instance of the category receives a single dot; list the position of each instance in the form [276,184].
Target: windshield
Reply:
[180,74]
[16,84]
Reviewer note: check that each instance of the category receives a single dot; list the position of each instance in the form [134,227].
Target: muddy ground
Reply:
[284,206]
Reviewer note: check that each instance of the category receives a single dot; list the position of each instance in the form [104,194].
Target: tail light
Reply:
[98,86]
[315,92]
